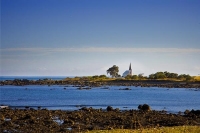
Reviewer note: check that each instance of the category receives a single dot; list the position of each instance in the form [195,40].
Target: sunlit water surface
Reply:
[70,98]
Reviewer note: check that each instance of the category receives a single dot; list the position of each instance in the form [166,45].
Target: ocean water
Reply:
[70,98]
[3,78]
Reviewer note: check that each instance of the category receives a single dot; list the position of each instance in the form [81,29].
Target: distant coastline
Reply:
[94,82]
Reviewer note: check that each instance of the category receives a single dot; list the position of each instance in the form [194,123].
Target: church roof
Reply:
[125,73]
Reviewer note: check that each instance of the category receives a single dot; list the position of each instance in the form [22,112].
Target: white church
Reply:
[127,72]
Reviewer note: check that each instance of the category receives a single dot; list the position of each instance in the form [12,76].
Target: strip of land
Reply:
[85,82]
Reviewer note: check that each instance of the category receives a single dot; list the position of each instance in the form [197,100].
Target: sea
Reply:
[69,97]
[3,78]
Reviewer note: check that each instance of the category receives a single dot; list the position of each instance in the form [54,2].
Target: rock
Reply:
[140,107]
[70,122]
[85,109]
[109,108]
[196,112]
[125,89]
[144,107]
[186,112]
[81,121]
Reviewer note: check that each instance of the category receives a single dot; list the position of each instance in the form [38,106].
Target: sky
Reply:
[86,37]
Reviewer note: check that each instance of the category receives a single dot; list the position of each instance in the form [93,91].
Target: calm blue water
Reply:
[56,97]
[3,78]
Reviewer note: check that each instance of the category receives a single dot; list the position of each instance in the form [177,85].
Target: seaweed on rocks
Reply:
[27,120]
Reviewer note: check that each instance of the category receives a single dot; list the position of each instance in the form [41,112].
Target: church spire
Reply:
[130,70]
[130,67]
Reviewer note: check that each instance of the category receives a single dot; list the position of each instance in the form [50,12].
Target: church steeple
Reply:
[130,67]
[130,70]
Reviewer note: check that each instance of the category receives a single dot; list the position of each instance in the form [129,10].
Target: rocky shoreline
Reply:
[90,84]
[43,120]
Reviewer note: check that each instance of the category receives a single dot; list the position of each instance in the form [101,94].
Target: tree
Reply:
[173,75]
[113,71]
[140,76]
[95,77]
[170,75]
[102,76]
[185,77]
[128,77]
[159,75]
[151,76]
[134,77]
[167,74]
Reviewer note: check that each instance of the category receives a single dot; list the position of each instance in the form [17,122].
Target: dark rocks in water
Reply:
[125,89]
[196,112]
[39,107]
[140,107]
[186,112]
[192,113]
[144,107]
[79,88]
[109,108]
[87,88]
[84,88]
[105,88]
[27,107]
[85,109]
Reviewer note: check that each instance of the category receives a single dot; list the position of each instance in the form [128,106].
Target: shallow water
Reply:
[3,78]
[70,98]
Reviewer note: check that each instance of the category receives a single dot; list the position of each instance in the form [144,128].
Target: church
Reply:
[127,72]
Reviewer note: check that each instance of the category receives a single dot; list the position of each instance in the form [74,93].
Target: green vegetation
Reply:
[136,77]
[156,76]
[165,76]
[113,72]
[178,129]
[90,78]
[171,76]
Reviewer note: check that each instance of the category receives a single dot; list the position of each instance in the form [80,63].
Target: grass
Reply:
[197,78]
[178,129]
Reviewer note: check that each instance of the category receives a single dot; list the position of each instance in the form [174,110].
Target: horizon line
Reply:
[105,49]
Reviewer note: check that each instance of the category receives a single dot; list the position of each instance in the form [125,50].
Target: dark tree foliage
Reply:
[152,76]
[163,75]
[128,77]
[186,77]
[134,77]
[95,77]
[170,75]
[113,71]
[140,76]
[102,76]
[159,75]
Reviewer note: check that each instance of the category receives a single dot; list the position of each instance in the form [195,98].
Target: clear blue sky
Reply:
[86,37]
